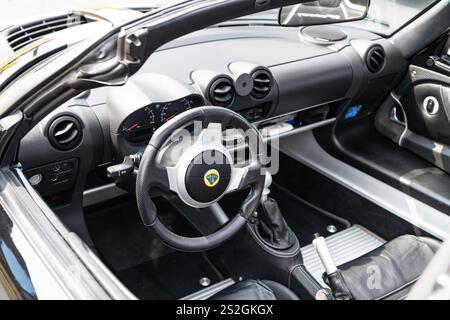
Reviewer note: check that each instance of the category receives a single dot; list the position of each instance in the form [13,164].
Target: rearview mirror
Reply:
[323,12]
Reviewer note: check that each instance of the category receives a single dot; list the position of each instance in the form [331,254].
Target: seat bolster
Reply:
[281,292]
[432,243]
[389,271]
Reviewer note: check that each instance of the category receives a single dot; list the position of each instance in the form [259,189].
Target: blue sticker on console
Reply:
[352,112]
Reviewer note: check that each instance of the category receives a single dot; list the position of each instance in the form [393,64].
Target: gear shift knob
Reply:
[267,184]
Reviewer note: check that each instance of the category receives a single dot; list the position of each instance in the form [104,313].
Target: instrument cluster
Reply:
[142,123]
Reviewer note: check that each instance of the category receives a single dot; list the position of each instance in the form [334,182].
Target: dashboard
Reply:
[270,75]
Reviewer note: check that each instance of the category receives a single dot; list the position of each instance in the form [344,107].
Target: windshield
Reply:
[384,16]
[387,16]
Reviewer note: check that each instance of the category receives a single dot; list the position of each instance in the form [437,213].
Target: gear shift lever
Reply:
[271,226]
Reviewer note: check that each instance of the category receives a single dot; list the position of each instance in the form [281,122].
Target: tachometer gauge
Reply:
[188,103]
[169,111]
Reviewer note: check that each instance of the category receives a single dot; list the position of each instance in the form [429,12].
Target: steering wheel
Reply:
[201,174]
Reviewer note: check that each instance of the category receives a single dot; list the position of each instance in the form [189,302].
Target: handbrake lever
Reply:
[333,276]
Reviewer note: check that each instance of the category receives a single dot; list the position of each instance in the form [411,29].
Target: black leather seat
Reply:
[388,272]
[256,290]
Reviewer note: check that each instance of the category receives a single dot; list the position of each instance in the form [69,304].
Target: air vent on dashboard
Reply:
[21,35]
[65,133]
[262,83]
[375,59]
[221,92]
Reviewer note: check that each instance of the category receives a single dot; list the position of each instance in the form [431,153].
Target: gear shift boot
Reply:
[271,226]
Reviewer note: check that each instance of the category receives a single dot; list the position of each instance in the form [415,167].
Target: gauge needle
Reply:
[134,126]
[169,118]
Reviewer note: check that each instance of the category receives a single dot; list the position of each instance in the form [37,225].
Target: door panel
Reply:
[404,144]
[427,111]
[417,117]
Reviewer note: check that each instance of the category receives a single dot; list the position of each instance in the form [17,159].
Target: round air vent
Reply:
[375,59]
[65,133]
[221,92]
[262,83]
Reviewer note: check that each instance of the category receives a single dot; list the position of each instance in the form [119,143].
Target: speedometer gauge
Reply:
[171,110]
[141,124]
[150,115]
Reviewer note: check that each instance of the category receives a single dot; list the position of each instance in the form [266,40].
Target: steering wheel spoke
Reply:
[161,177]
[246,176]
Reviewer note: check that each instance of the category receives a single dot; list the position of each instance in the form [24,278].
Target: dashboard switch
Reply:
[431,105]
[35,180]
[66,166]
[53,178]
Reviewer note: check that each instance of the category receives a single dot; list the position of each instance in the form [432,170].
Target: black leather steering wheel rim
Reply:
[151,174]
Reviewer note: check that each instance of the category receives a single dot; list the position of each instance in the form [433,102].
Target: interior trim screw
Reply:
[332,229]
[205,281]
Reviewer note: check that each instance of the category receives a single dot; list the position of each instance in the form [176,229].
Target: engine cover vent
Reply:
[65,133]
[221,92]
[375,59]
[262,83]
[21,35]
